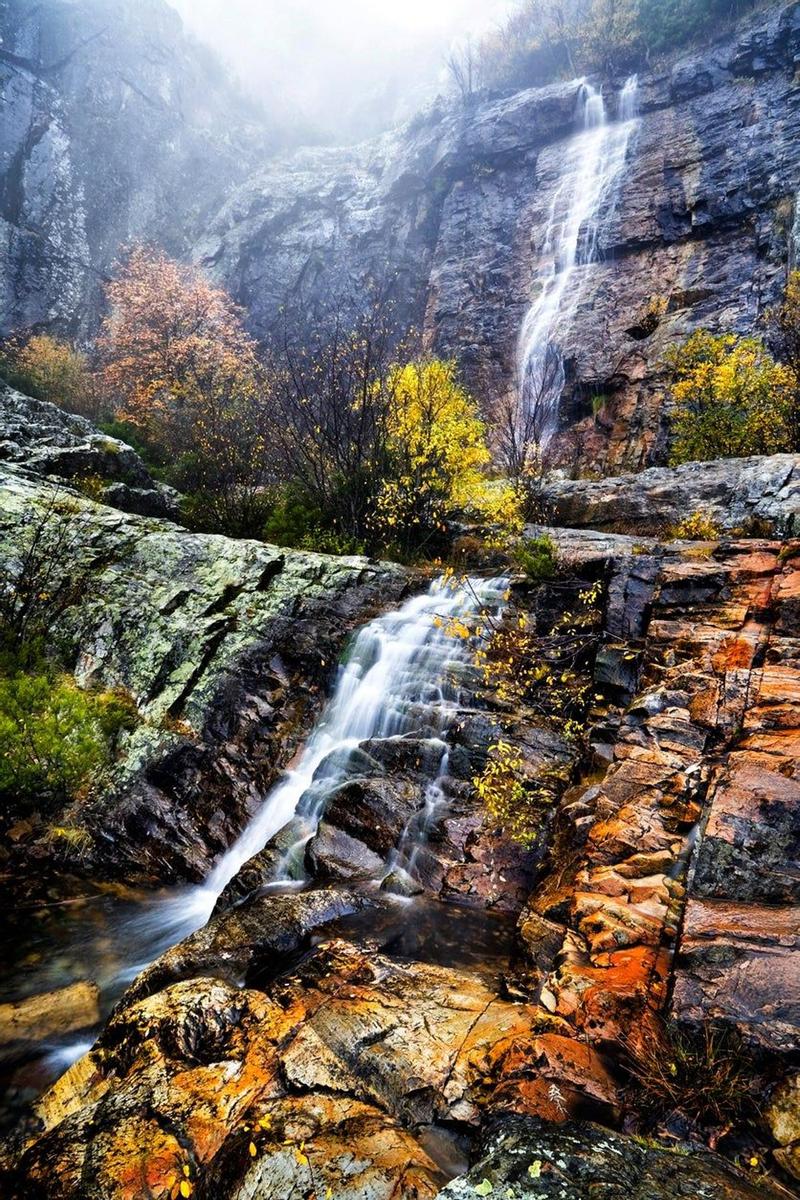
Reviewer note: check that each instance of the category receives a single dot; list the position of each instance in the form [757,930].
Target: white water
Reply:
[594,160]
[401,676]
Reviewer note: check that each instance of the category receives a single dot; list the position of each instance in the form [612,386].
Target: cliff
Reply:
[128,131]
[116,127]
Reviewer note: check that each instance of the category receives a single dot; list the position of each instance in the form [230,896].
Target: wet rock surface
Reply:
[224,647]
[735,494]
[342,1034]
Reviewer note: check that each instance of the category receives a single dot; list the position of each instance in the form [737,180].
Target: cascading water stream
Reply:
[593,163]
[402,675]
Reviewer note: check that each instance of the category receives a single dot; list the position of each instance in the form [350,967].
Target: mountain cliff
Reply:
[106,127]
[116,127]
[111,110]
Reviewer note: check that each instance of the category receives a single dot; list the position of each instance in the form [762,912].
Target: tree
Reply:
[462,67]
[334,384]
[610,33]
[183,369]
[49,369]
[535,43]
[437,453]
[731,398]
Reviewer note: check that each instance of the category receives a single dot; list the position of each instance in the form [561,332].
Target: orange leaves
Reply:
[174,348]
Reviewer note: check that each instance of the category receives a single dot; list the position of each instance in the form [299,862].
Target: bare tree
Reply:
[333,391]
[462,66]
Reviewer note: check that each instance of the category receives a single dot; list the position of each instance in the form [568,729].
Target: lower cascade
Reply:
[594,160]
[402,673]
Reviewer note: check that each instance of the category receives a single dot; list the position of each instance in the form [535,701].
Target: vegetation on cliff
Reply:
[549,39]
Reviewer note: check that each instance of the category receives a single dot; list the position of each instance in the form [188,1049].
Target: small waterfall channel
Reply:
[402,674]
[593,162]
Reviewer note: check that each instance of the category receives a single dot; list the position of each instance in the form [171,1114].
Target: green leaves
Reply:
[484,1188]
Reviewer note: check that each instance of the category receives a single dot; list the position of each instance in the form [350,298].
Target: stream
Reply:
[402,674]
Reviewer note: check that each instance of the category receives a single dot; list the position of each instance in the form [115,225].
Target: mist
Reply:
[339,70]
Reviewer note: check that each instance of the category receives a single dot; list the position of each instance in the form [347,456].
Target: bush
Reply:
[437,454]
[703,1076]
[537,557]
[49,369]
[698,527]
[55,739]
[664,26]
[152,453]
[731,399]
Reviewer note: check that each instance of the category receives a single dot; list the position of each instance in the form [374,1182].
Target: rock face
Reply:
[453,206]
[300,1042]
[41,439]
[735,494]
[529,1160]
[223,646]
[109,110]
[458,204]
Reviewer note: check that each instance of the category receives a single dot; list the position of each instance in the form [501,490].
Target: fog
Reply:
[341,69]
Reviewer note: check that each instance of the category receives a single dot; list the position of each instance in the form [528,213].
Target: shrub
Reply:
[537,557]
[731,399]
[704,1076]
[55,739]
[437,454]
[698,527]
[152,453]
[664,26]
[49,369]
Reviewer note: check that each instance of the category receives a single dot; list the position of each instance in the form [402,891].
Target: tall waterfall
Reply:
[592,166]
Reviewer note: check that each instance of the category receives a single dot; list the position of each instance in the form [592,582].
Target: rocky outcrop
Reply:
[526,1158]
[40,439]
[261,1051]
[222,645]
[737,495]
[117,127]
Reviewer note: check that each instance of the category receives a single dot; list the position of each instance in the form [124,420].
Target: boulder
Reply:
[735,494]
[530,1160]
[43,440]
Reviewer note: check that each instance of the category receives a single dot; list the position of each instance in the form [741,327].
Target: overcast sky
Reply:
[339,63]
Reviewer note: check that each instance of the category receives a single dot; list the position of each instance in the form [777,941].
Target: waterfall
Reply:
[593,162]
[400,675]
[404,673]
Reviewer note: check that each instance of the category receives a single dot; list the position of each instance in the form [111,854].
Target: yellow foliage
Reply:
[54,371]
[437,444]
[731,398]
